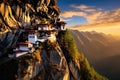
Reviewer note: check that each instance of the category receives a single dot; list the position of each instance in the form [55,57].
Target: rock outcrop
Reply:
[51,64]
[54,65]
[50,61]
[18,14]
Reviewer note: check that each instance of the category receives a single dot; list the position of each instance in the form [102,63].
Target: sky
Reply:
[88,15]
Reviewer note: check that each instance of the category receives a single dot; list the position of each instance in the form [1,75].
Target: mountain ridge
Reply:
[102,56]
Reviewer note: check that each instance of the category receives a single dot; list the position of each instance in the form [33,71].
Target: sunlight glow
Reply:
[114,30]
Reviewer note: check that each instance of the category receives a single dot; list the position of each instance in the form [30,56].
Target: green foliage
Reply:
[88,72]
[67,43]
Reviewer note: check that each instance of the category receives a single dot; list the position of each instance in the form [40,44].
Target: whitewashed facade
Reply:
[25,46]
[32,38]
[45,28]
[39,28]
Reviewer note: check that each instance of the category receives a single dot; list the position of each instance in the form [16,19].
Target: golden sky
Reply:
[108,28]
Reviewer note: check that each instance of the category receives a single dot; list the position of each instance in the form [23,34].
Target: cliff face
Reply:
[59,60]
[18,14]
[46,63]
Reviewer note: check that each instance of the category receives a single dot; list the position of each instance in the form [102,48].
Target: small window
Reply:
[31,36]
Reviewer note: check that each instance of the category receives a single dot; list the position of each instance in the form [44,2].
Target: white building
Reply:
[39,28]
[25,46]
[43,27]
[61,25]
[32,37]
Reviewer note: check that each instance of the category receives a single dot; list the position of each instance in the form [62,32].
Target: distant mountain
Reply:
[110,67]
[103,51]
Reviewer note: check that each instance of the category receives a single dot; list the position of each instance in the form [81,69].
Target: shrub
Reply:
[67,42]
[88,72]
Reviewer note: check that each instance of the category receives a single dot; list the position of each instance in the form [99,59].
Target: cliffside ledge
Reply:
[59,60]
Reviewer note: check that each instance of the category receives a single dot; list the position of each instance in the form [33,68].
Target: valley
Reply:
[103,51]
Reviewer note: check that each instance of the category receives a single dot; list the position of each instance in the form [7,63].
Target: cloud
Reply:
[90,13]
[65,19]
[106,22]
[97,19]
[85,8]
[69,14]
[102,17]
[81,7]
[92,18]
[93,15]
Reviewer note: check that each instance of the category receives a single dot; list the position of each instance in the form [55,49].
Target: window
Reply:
[31,36]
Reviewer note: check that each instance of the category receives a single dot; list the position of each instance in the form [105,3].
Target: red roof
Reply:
[31,31]
[22,43]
